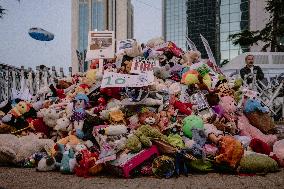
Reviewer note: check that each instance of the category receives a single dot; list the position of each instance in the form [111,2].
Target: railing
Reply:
[16,79]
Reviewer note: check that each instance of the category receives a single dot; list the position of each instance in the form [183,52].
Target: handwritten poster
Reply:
[100,45]
[143,65]
[112,79]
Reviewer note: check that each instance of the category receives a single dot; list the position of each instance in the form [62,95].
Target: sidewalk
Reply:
[11,178]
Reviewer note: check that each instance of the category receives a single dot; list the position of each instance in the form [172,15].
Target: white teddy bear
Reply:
[13,149]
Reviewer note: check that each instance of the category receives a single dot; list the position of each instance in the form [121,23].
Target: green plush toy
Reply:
[142,138]
[176,140]
[200,166]
[256,163]
[189,122]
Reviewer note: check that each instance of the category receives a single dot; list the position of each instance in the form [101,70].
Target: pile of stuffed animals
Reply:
[191,118]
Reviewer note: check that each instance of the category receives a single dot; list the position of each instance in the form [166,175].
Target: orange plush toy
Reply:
[230,152]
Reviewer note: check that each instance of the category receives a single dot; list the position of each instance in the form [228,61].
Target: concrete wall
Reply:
[258,18]
[74,34]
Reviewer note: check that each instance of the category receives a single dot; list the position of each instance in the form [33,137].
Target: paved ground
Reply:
[11,178]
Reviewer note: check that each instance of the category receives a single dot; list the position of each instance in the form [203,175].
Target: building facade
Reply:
[100,15]
[174,25]
[203,18]
[234,17]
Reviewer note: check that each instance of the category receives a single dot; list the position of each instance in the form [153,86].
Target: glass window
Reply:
[224,18]
[225,2]
[225,46]
[235,1]
[235,17]
[224,27]
[234,53]
[235,26]
[234,8]
[224,9]
[224,36]
[225,54]
[233,46]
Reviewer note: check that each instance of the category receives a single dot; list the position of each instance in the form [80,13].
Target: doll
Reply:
[80,103]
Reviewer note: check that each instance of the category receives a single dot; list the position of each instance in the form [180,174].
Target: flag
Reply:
[190,44]
[208,50]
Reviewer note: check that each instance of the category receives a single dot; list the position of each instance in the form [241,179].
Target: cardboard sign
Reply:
[100,45]
[142,65]
[112,79]
[124,44]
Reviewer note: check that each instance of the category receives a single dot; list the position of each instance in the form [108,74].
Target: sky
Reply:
[17,48]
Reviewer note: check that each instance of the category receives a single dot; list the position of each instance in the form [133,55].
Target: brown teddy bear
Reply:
[149,118]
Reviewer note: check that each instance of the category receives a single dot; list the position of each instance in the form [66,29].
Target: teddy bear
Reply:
[230,108]
[190,57]
[125,67]
[149,118]
[230,152]
[142,138]
[14,149]
[135,50]
[258,116]
[162,72]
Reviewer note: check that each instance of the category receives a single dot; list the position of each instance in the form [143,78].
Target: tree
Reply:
[2,11]
[271,34]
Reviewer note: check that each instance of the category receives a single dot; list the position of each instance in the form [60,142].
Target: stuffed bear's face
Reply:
[149,118]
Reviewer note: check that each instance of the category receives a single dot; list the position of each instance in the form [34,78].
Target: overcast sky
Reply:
[18,48]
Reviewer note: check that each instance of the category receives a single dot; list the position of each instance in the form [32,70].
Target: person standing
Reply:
[250,70]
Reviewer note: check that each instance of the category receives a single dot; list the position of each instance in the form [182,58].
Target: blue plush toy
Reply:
[68,162]
[253,105]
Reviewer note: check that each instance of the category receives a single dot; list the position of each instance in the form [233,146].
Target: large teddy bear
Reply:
[246,129]
[258,116]
[14,149]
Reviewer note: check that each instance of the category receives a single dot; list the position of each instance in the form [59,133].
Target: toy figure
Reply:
[80,103]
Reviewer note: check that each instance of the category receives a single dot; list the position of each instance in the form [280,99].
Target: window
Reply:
[235,26]
[224,18]
[234,8]
[224,27]
[224,36]
[224,9]
[234,53]
[225,54]
[225,46]
[235,17]
[235,1]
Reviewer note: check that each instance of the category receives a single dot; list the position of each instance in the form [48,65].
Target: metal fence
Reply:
[15,78]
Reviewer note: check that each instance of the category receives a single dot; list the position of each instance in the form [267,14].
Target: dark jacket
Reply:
[256,69]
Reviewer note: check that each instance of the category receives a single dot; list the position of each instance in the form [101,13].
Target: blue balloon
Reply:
[41,34]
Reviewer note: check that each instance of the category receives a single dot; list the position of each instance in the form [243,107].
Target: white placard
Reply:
[143,65]
[124,44]
[112,79]
[100,45]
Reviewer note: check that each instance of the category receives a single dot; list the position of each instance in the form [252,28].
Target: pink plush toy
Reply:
[278,149]
[246,129]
